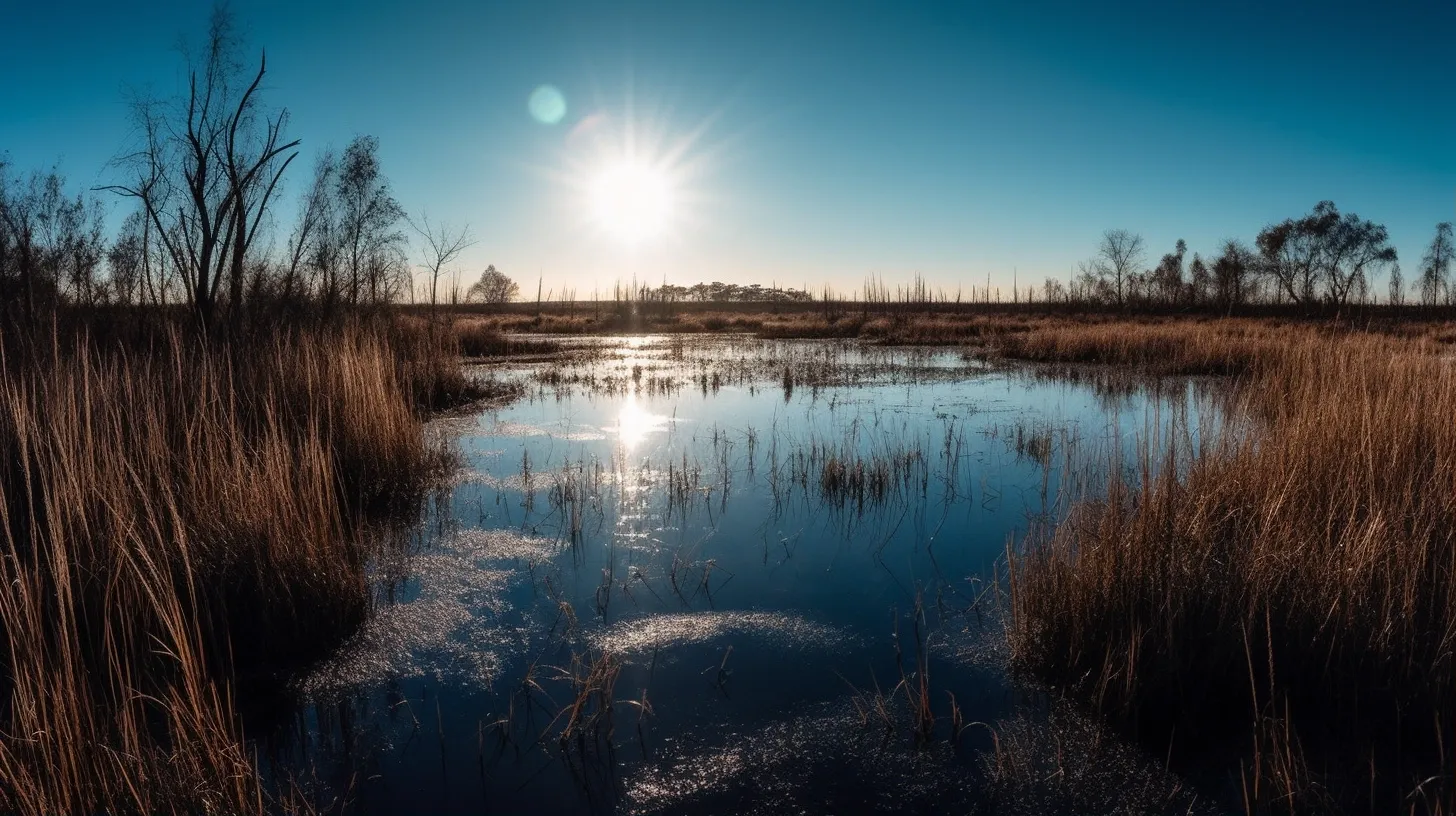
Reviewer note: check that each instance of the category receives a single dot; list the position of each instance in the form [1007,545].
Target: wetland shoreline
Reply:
[967,552]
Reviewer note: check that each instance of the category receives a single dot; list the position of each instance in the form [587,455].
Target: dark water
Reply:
[748,560]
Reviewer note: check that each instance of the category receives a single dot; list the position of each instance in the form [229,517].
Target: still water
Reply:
[718,575]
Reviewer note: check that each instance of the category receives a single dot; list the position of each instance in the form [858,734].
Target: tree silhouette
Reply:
[371,243]
[493,287]
[1118,257]
[1200,281]
[208,168]
[1324,248]
[1167,278]
[310,263]
[443,244]
[1232,271]
[1436,265]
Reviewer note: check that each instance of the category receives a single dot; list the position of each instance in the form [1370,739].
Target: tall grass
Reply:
[171,518]
[1288,589]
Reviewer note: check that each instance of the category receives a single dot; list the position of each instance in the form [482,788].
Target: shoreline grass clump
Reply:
[173,518]
[1287,592]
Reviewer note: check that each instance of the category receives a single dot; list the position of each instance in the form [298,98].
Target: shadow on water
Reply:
[694,576]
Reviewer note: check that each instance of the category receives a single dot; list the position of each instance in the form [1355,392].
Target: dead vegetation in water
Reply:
[1059,761]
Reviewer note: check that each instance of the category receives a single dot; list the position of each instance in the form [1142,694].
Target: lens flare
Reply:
[547,105]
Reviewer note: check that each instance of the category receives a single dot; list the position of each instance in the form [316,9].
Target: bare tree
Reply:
[1118,258]
[81,244]
[1053,290]
[9,263]
[1167,278]
[1397,286]
[1200,280]
[54,244]
[126,260]
[368,222]
[493,287]
[1233,270]
[308,244]
[1436,265]
[1356,250]
[1291,251]
[1340,251]
[31,212]
[443,244]
[208,168]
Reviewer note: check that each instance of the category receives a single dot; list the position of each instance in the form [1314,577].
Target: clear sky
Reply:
[808,142]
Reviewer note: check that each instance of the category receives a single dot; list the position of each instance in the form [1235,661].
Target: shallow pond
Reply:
[725,575]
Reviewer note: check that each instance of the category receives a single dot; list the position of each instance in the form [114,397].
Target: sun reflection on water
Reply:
[635,424]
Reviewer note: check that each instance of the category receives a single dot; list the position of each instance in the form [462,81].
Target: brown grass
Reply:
[172,516]
[1290,589]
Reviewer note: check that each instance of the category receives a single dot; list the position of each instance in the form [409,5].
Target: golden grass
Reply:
[168,517]
[1291,586]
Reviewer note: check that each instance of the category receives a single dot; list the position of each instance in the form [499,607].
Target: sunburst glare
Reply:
[632,201]
[635,179]
[635,424]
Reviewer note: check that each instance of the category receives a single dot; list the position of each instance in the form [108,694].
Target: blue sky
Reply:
[819,142]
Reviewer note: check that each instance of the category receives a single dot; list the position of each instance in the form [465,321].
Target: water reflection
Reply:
[708,582]
[635,424]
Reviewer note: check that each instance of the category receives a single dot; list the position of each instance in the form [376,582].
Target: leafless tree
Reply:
[1233,270]
[1436,265]
[1200,280]
[53,243]
[126,260]
[442,245]
[1324,247]
[1358,250]
[9,272]
[208,168]
[308,246]
[1119,256]
[1397,286]
[30,212]
[1053,290]
[1167,278]
[81,244]
[1291,252]
[368,232]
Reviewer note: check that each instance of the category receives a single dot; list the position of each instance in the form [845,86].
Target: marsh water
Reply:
[681,575]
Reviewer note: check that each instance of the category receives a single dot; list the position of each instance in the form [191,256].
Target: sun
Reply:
[632,201]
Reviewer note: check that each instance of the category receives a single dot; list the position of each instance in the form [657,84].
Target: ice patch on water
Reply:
[822,763]
[500,545]
[659,631]
[454,630]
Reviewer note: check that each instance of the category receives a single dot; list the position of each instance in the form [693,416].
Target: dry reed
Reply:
[170,517]
[1289,588]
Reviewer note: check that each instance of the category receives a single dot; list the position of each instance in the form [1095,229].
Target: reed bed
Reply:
[1285,591]
[171,519]
[479,338]
[1168,347]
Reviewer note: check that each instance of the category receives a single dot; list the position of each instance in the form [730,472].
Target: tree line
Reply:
[718,292]
[203,233]
[1323,257]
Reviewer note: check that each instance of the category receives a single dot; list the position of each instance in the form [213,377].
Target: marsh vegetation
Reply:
[286,529]
[1009,573]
